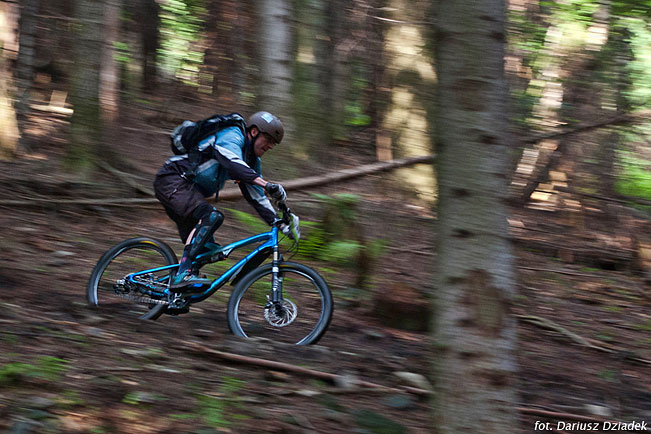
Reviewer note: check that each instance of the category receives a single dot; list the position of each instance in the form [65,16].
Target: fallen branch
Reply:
[550,325]
[332,378]
[620,119]
[234,193]
[541,171]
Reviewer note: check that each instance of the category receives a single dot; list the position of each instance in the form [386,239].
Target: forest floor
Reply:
[584,341]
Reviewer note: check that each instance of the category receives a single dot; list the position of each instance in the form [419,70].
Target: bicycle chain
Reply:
[143,300]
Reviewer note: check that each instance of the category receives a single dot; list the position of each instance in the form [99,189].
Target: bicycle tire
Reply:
[246,305]
[108,270]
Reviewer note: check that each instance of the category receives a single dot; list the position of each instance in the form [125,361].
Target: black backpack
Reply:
[186,137]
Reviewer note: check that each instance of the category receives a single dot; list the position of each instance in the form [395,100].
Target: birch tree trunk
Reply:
[25,60]
[276,48]
[85,124]
[8,125]
[474,331]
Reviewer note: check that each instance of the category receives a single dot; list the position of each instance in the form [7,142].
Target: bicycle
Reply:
[282,300]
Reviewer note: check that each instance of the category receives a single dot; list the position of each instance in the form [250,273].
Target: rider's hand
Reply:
[294,234]
[276,191]
[286,230]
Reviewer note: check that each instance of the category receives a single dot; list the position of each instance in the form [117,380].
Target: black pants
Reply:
[179,196]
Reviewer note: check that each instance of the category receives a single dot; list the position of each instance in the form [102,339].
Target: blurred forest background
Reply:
[89,91]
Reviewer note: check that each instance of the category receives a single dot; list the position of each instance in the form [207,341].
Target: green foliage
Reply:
[607,375]
[46,368]
[217,412]
[376,423]
[317,242]
[345,203]
[340,252]
[313,240]
[635,177]
[632,8]
[122,52]
[211,410]
[355,106]
[573,10]
[70,399]
[355,116]
[639,68]
[250,221]
[138,397]
[180,25]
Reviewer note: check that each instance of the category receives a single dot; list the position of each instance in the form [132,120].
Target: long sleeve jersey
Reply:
[225,159]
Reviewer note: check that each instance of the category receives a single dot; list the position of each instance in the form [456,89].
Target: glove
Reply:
[276,191]
[292,230]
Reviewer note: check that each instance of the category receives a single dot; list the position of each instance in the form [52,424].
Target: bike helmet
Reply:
[268,124]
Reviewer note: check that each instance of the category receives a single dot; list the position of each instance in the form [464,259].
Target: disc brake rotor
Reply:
[281,314]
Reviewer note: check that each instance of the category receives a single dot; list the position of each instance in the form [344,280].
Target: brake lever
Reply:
[285,210]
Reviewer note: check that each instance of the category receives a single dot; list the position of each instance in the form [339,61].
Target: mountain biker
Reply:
[228,154]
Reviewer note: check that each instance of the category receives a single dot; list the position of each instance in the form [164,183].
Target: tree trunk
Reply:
[406,128]
[110,73]
[8,125]
[110,78]
[149,33]
[236,50]
[608,157]
[276,41]
[474,330]
[214,43]
[85,124]
[329,72]
[26,55]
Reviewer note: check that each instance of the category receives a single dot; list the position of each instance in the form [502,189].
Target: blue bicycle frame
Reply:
[268,240]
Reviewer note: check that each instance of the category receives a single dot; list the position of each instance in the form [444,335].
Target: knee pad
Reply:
[210,220]
[202,211]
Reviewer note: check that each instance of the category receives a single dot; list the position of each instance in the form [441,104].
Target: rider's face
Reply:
[263,143]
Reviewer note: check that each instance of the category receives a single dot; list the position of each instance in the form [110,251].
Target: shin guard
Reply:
[209,220]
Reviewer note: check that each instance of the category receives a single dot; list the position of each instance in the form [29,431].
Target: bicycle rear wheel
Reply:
[108,290]
[303,316]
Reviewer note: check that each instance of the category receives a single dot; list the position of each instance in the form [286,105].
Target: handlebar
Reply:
[282,206]
[288,219]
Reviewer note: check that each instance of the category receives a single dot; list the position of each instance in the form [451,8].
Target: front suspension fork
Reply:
[276,278]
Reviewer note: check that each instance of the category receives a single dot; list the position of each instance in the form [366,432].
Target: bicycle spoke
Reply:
[302,312]
[111,289]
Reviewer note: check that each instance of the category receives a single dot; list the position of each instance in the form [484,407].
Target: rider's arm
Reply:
[260,182]
[254,194]
[228,153]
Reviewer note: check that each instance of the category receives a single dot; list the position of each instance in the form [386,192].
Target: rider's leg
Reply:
[209,220]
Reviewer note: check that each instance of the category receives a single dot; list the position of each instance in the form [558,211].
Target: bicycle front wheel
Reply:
[301,318]
[108,289]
